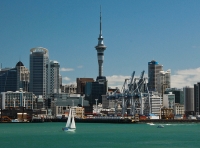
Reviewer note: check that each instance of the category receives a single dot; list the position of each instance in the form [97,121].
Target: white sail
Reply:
[73,126]
[69,119]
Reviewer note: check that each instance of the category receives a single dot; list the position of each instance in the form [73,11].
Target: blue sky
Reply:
[135,32]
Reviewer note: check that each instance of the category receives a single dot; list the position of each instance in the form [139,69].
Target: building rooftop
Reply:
[19,64]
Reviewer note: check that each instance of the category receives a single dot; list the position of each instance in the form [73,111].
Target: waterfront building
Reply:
[179,109]
[153,70]
[188,99]
[53,85]
[39,59]
[156,103]
[17,99]
[12,79]
[63,111]
[163,80]
[179,96]
[95,90]
[169,100]
[66,99]
[197,98]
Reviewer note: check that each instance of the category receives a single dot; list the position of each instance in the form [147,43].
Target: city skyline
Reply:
[135,32]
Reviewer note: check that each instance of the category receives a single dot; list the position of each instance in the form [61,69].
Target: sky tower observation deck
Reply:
[100,53]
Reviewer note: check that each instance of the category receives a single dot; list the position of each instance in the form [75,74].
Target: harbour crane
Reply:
[134,94]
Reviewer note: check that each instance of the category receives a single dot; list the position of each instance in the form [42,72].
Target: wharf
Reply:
[120,121]
[90,120]
[169,121]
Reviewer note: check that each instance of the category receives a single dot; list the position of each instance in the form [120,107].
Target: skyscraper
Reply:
[22,77]
[197,98]
[53,83]
[163,80]
[153,70]
[38,60]
[189,100]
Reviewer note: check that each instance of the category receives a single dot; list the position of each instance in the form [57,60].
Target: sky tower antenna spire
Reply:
[100,23]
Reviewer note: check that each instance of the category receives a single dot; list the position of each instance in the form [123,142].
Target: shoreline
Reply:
[118,121]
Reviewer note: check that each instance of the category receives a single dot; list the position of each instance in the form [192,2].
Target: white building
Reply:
[53,84]
[179,109]
[169,100]
[156,103]
[17,99]
[163,80]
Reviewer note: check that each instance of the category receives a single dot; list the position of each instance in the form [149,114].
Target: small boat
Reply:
[160,126]
[70,125]
[151,123]
[14,120]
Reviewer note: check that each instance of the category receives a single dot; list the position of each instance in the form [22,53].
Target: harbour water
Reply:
[99,135]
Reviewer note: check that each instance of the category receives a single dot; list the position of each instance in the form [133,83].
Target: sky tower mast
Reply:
[100,51]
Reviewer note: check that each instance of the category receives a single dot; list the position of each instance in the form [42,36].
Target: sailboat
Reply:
[70,125]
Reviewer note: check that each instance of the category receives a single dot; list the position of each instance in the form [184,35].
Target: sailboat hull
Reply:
[66,129]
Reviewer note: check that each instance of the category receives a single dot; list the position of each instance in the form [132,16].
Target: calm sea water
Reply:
[99,135]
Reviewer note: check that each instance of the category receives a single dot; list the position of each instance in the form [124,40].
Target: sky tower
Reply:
[100,52]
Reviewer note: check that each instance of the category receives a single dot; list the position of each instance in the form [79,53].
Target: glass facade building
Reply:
[95,90]
[179,96]
[12,79]
[8,80]
[38,76]
[153,70]
[197,98]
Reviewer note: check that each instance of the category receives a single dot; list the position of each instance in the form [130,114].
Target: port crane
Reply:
[134,94]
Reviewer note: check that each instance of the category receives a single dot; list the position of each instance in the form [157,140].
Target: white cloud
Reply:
[80,66]
[66,78]
[69,83]
[66,69]
[187,77]
[116,81]
[181,78]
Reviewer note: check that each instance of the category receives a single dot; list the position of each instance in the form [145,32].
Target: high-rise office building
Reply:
[163,81]
[39,58]
[53,76]
[197,98]
[188,99]
[12,79]
[22,77]
[153,70]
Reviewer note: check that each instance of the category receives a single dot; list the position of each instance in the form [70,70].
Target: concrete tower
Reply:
[100,52]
